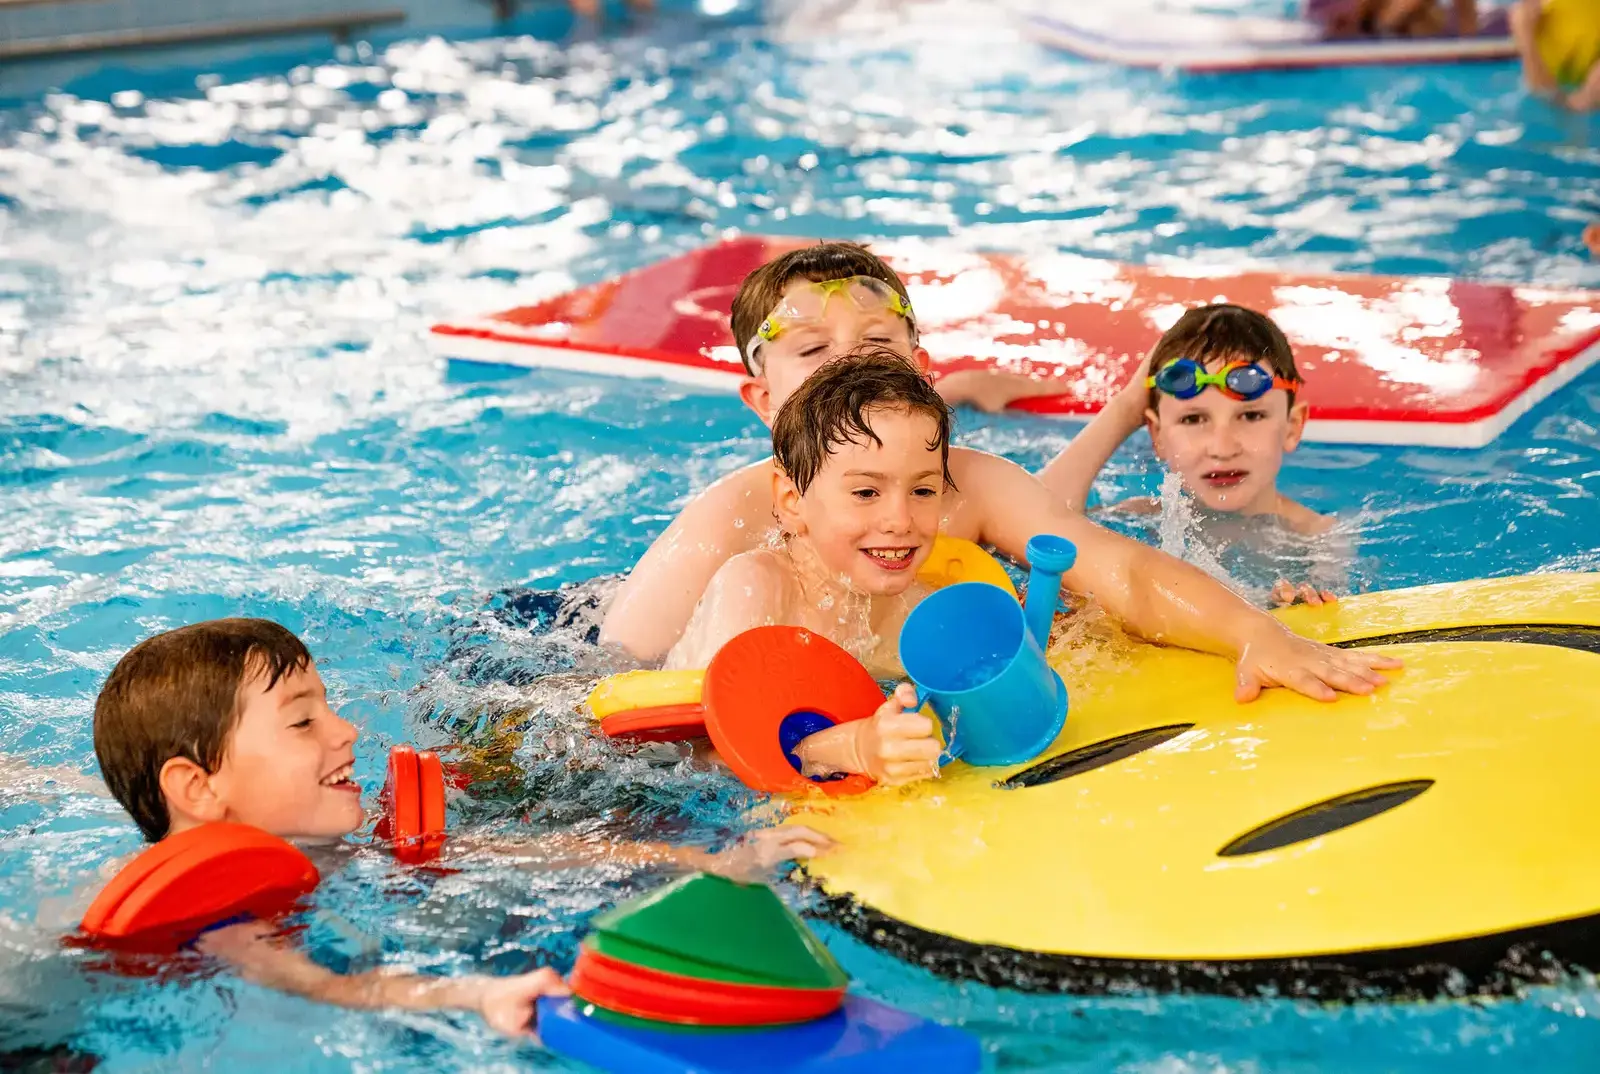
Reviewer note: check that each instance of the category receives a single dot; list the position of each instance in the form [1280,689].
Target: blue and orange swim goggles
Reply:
[1239,381]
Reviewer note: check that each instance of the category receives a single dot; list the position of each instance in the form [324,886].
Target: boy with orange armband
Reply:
[228,721]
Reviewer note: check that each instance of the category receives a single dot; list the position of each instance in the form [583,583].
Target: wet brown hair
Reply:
[177,695]
[834,406]
[1224,333]
[758,295]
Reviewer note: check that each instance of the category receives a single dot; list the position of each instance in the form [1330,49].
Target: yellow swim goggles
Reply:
[806,307]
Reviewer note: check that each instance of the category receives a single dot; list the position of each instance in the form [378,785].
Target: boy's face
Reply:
[1228,452]
[841,326]
[287,768]
[872,512]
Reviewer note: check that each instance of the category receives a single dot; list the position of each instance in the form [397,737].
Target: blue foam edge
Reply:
[862,1037]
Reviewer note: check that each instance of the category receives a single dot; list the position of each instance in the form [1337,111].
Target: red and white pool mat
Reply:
[1387,360]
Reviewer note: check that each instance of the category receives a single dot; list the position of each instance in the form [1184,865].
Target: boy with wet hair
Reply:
[862,451]
[813,303]
[228,720]
[1218,394]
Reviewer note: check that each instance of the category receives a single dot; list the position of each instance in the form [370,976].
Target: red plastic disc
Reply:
[414,809]
[660,723]
[664,997]
[175,889]
[765,675]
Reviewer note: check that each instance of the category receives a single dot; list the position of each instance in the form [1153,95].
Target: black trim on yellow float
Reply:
[1579,636]
[1496,965]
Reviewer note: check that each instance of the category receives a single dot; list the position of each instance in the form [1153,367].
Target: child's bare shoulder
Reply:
[1303,520]
[763,575]
[732,501]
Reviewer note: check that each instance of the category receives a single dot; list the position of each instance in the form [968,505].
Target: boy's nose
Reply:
[896,514]
[1224,444]
[343,732]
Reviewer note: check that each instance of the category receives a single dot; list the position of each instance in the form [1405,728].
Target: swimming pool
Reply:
[214,294]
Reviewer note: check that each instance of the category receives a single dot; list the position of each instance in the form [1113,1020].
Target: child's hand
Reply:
[507,1003]
[895,745]
[1277,657]
[1135,395]
[758,853]
[1285,593]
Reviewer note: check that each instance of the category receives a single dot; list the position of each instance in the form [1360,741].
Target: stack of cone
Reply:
[706,951]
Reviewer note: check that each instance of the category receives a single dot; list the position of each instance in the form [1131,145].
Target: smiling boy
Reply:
[228,720]
[799,310]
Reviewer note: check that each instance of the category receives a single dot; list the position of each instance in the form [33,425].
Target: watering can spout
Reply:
[1049,557]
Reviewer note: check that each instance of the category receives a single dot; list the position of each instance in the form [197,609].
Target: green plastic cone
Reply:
[724,928]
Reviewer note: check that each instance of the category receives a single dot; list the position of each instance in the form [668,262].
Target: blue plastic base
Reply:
[1038,747]
[862,1037]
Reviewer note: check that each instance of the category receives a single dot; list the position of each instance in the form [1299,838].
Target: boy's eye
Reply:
[864,494]
[925,491]
[1253,415]
[301,723]
[1191,419]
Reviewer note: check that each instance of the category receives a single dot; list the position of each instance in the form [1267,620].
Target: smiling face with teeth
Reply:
[287,767]
[871,512]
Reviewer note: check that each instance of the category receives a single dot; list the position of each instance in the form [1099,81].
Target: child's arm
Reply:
[18,776]
[1525,18]
[750,590]
[752,858]
[647,614]
[992,390]
[1161,598]
[259,956]
[1586,98]
[1071,474]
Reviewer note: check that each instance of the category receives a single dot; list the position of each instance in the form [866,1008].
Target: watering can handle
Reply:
[950,753]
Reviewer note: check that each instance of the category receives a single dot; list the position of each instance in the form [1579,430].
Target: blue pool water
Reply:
[214,292]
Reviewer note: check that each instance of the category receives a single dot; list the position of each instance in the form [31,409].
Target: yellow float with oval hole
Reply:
[1440,834]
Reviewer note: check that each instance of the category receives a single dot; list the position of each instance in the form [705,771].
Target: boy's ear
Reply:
[786,502]
[1297,426]
[190,797]
[1152,425]
[757,395]
[921,359]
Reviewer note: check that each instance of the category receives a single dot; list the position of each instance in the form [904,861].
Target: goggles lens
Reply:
[808,306]
[1242,381]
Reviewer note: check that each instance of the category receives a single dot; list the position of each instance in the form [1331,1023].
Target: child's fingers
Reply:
[1283,592]
[801,831]
[903,724]
[909,772]
[1329,597]
[802,843]
[910,749]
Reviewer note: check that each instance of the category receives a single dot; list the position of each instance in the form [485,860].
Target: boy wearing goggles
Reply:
[993,502]
[1218,395]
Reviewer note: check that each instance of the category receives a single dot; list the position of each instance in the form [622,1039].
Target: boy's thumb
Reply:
[1249,685]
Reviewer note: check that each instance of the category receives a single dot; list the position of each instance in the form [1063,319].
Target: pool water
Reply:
[215,286]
